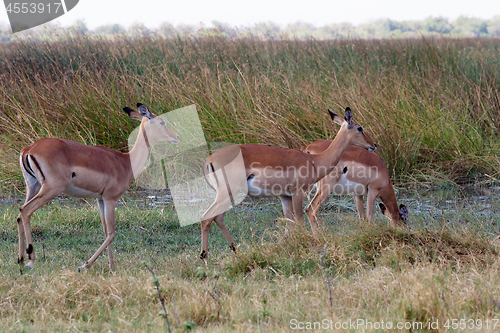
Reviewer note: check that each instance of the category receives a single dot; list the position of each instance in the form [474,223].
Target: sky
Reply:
[318,12]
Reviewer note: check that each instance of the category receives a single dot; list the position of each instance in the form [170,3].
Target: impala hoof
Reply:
[203,255]
[29,265]
[82,268]
[233,247]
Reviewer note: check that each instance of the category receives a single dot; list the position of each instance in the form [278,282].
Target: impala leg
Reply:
[287,205]
[32,188]
[109,216]
[205,228]
[370,202]
[20,232]
[100,204]
[43,196]
[219,207]
[360,206]
[297,201]
[319,198]
[219,220]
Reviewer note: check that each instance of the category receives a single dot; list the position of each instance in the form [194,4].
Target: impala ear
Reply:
[143,110]
[403,213]
[348,116]
[132,113]
[336,119]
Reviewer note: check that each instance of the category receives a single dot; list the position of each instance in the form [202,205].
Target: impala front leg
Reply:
[360,206]
[205,229]
[109,213]
[102,206]
[324,189]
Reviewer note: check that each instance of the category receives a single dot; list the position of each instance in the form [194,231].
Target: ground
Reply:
[443,267]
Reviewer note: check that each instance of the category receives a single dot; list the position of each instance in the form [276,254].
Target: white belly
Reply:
[74,191]
[345,186]
[256,191]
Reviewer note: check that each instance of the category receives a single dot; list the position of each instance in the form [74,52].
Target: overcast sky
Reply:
[246,13]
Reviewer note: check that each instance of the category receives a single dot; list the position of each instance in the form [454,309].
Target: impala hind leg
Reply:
[44,195]
[287,205]
[101,206]
[32,188]
[218,208]
[109,216]
[219,220]
[370,202]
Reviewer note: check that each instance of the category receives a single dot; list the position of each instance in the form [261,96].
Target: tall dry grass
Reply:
[432,105]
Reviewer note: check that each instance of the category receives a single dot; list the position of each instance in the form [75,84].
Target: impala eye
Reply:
[360,129]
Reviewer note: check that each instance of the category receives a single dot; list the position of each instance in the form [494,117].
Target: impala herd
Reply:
[344,165]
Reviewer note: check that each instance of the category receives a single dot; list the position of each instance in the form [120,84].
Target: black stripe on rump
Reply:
[27,166]
[37,165]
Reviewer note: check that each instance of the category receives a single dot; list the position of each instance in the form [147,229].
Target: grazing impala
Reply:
[53,166]
[270,171]
[366,175]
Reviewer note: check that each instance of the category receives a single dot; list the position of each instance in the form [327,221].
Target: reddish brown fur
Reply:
[63,166]
[302,172]
[379,186]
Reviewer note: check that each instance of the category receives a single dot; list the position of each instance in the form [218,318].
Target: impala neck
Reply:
[327,160]
[139,153]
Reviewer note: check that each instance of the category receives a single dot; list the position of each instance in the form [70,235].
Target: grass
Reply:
[431,104]
[443,267]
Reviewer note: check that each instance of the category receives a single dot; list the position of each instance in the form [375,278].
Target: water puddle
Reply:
[482,201]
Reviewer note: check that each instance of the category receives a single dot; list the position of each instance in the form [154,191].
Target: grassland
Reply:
[445,267]
[432,106]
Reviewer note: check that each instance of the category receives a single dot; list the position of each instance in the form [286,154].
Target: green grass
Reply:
[431,104]
[443,267]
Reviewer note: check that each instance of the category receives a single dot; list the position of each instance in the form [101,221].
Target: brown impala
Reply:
[270,171]
[53,166]
[366,175]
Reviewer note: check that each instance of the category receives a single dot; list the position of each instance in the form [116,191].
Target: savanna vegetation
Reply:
[446,267]
[432,105]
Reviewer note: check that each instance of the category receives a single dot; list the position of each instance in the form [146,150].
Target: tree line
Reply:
[383,28]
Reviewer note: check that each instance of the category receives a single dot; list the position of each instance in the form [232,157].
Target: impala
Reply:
[53,166]
[270,171]
[366,175]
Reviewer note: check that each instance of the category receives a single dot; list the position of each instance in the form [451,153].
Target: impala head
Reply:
[155,127]
[403,212]
[355,132]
